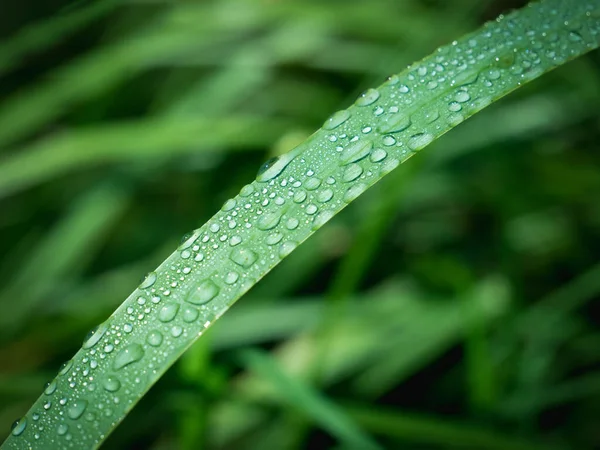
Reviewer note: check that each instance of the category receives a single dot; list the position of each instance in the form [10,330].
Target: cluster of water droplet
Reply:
[292,196]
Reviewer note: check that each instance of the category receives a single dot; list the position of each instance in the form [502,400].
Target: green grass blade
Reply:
[290,199]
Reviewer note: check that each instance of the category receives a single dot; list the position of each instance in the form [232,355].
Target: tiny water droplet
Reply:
[336,119]
[203,293]
[168,312]
[148,280]
[355,151]
[367,98]
[243,257]
[76,409]
[128,355]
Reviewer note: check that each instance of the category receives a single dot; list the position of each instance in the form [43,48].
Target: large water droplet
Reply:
[325,195]
[148,280]
[420,140]
[154,338]
[128,355]
[188,239]
[336,119]
[66,366]
[274,167]
[395,123]
[378,155]
[299,196]
[76,409]
[229,205]
[231,277]
[50,387]
[95,335]
[273,238]
[312,183]
[168,312]
[204,293]
[354,191]
[62,429]
[190,314]
[111,384]
[355,151]
[269,220]
[243,257]
[352,172]
[19,426]
[367,98]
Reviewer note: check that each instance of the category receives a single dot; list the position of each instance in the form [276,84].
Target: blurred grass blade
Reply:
[291,198]
[309,401]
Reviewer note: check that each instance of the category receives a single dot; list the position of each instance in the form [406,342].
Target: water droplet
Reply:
[454,106]
[190,314]
[388,140]
[292,223]
[299,196]
[76,409]
[325,195]
[322,218]
[19,426]
[269,220]
[188,239]
[66,366]
[392,79]
[128,355]
[247,190]
[243,257]
[311,209]
[574,36]
[378,155]
[204,293]
[273,238]
[312,183]
[168,312]
[155,338]
[50,387]
[95,335]
[275,167]
[336,119]
[354,191]
[62,429]
[148,280]
[286,248]
[235,240]
[47,405]
[420,140]
[390,164]
[352,172]
[176,331]
[367,98]
[229,205]
[462,96]
[395,123]
[355,152]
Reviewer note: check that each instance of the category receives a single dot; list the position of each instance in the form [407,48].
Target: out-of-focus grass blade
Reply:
[310,402]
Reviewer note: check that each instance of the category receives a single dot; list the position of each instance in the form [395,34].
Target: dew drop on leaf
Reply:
[128,355]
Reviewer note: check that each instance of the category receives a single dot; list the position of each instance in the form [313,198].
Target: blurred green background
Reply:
[454,305]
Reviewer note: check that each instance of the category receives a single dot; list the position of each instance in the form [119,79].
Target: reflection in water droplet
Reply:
[275,167]
[312,183]
[243,257]
[203,293]
[355,151]
[76,409]
[336,120]
[299,196]
[154,338]
[325,195]
[19,426]
[128,355]
[168,312]
[148,280]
